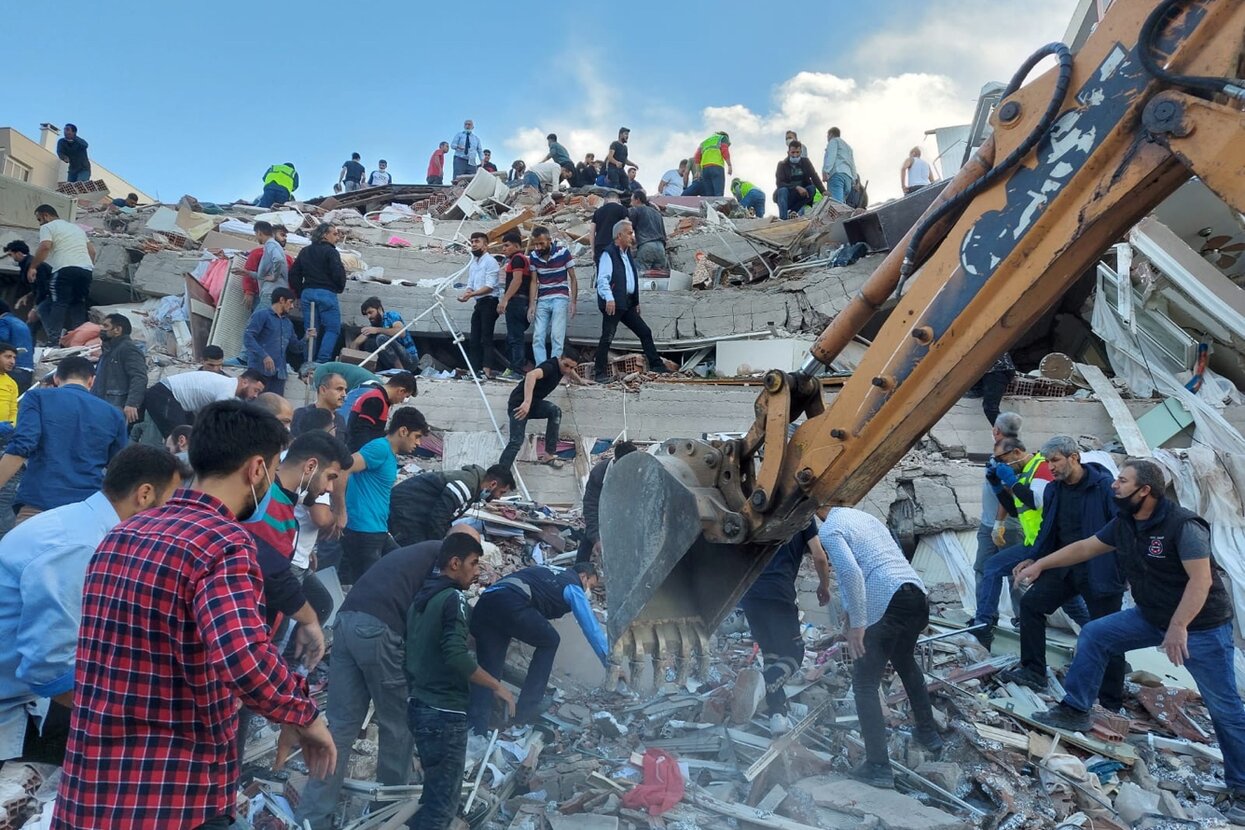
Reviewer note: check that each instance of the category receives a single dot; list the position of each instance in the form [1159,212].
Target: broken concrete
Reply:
[893,810]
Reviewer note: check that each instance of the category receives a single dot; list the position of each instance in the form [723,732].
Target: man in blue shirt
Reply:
[520,607]
[42,567]
[372,474]
[13,330]
[269,333]
[65,436]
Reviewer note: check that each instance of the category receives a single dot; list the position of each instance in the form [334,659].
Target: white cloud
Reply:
[915,74]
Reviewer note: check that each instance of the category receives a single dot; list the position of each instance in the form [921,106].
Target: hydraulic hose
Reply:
[1162,14]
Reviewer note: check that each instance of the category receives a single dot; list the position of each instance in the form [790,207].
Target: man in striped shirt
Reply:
[556,289]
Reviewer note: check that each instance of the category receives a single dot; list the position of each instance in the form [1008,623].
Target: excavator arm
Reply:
[1077,157]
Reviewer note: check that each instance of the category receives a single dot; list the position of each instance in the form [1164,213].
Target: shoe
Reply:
[928,737]
[601,377]
[1024,677]
[509,374]
[1065,717]
[1233,808]
[797,711]
[779,725]
[659,369]
[985,636]
[875,775]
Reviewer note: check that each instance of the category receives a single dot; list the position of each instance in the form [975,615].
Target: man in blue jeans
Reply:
[838,166]
[1181,606]
[439,672]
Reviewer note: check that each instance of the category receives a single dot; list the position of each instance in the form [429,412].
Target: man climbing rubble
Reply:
[774,617]
[527,402]
[887,609]
[520,607]
[1182,607]
[424,506]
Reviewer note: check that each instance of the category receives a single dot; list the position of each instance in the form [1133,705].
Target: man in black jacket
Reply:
[796,179]
[121,374]
[424,506]
[618,297]
[318,276]
[592,502]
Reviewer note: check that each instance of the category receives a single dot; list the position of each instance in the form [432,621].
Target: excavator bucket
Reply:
[667,587]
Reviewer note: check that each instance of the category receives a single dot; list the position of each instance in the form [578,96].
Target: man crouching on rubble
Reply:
[1181,607]
[439,670]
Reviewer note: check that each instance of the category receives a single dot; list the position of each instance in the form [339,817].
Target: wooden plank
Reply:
[749,815]
[1022,711]
[509,225]
[780,745]
[1125,426]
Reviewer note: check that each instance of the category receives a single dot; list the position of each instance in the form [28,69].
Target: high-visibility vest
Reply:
[745,188]
[711,151]
[281,174]
[1030,517]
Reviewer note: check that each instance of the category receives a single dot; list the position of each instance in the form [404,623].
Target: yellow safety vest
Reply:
[281,174]
[711,151]
[745,188]
[1030,518]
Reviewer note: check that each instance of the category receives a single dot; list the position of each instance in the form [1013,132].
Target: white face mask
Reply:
[304,488]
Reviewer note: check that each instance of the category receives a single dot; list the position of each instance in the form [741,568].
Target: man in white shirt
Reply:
[673,181]
[547,175]
[482,275]
[175,399]
[380,176]
[618,297]
[915,172]
[72,258]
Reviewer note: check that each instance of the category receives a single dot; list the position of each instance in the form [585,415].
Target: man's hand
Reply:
[823,594]
[318,749]
[1026,573]
[334,531]
[856,643]
[611,308]
[309,644]
[999,535]
[1176,644]
[131,414]
[531,313]
[269,366]
[311,333]
[522,409]
[464,297]
[366,330]
[502,693]
[501,307]
[803,193]
[312,561]
[570,312]
[1007,476]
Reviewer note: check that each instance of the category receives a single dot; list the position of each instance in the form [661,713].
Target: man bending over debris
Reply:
[774,617]
[520,607]
[367,668]
[423,507]
[887,610]
[527,402]
[1182,607]
[439,670]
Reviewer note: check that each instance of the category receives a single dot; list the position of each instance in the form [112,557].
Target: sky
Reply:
[199,99]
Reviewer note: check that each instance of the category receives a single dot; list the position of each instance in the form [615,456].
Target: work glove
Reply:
[1006,475]
[992,478]
[1000,531]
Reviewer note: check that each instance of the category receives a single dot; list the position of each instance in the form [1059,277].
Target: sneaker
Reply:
[1065,717]
[511,375]
[875,775]
[779,725]
[928,737]
[1024,677]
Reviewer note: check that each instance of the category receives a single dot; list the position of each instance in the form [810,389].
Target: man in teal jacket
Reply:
[439,670]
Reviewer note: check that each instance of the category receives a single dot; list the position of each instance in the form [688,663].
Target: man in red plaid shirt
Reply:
[172,637]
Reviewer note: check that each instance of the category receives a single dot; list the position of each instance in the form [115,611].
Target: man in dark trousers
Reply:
[424,506]
[1077,505]
[440,669]
[618,297]
[592,502]
[796,181]
[268,335]
[774,617]
[121,373]
[72,150]
[1182,607]
[527,402]
[520,607]
[369,640]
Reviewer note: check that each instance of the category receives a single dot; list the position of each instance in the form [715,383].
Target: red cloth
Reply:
[662,787]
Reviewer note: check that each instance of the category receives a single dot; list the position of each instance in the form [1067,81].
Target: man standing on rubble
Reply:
[553,272]
[1182,607]
[915,173]
[527,402]
[466,150]
[482,274]
[616,162]
[774,617]
[351,177]
[487,162]
[796,182]
[317,278]
[1078,504]
[440,671]
[72,150]
[650,233]
[268,335]
[838,165]
[121,373]
[369,639]
[436,164]
[887,610]
[712,153]
[520,607]
[172,639]
[557,153]
[380,176]
[72,256]
[518,301]
[618,297]
[604,218]
[592,502]
[424,506]
[280,182]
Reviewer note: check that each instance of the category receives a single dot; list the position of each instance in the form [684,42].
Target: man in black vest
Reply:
[1181,606]
[618,297]
[520,607]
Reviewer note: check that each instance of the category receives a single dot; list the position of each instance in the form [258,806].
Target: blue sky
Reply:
[201,98]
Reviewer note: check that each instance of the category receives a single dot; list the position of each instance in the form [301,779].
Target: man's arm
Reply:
[570,276]
[529,389]
[250,335]
[90,250]
[41,253]
[821,564]
[1176,640]
[577,598]
[309,638]
[136,373]
[605,270]
[830,159]
[851,578]
[903,178]
[342,176]
[47,630]
[451,500]
[25,437]
[1072,554]
[812,174]
[726,157]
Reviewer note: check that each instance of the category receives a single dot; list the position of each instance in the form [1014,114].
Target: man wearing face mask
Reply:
[1077,505]
[482,279]
[121,373]
[796,182]
[172,639]
[1182,607]
[424,506]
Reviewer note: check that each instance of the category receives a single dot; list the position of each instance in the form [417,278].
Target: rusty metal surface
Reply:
[1168,706]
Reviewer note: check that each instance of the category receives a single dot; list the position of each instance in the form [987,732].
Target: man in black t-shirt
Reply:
[527,402]
[774,617]
[518,301]
[351,177]
[604,219]
[616,162]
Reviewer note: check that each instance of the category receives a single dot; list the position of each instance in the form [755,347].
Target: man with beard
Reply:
[121,374]
[424,506]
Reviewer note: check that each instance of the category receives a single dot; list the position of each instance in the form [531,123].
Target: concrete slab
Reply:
[18,201]
[893,810]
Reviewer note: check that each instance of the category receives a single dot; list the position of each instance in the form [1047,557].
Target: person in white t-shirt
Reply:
[380,176]
[915,172]
[673,181]
[72,258]
[175,399]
